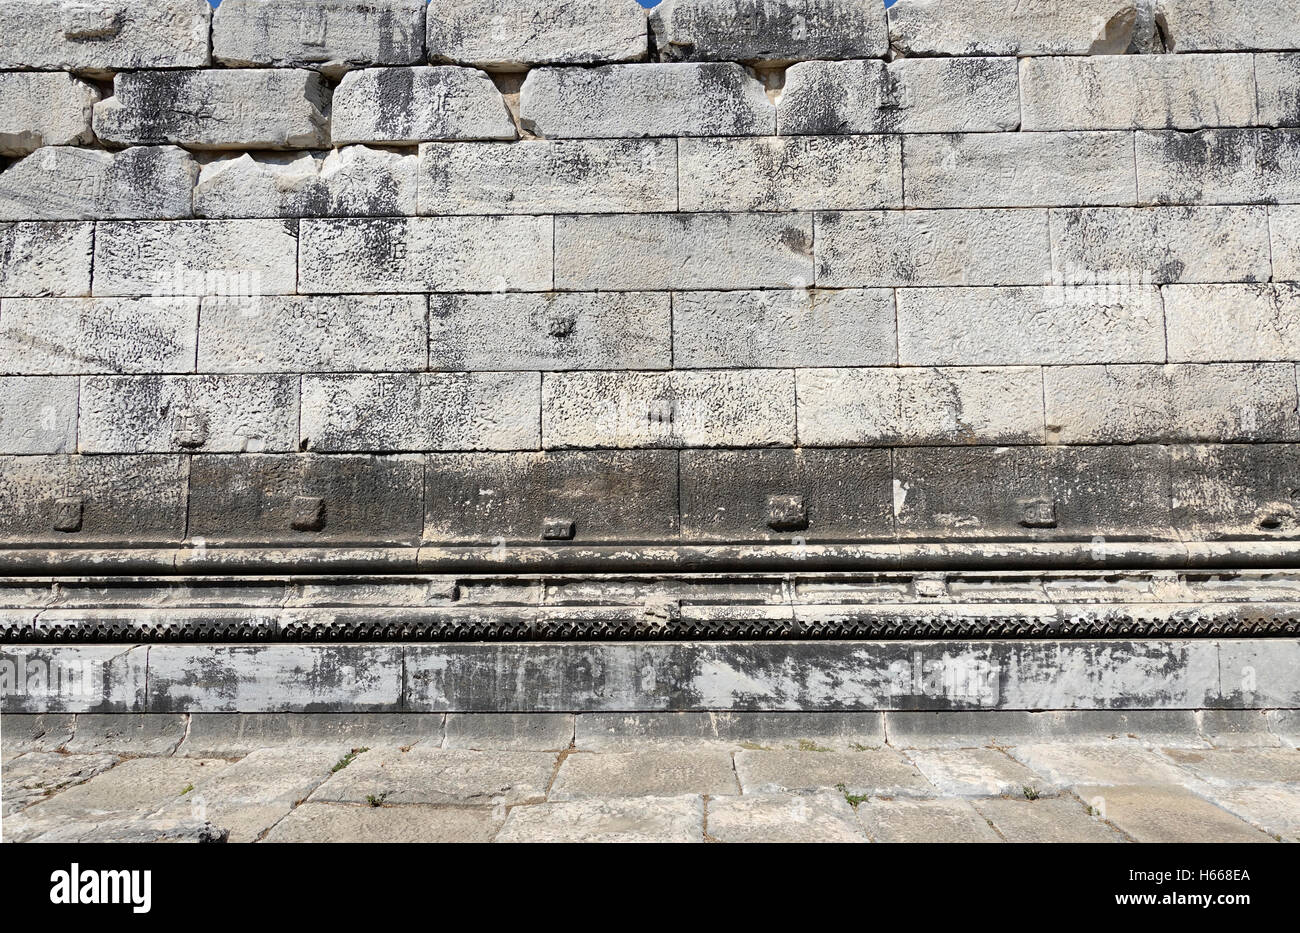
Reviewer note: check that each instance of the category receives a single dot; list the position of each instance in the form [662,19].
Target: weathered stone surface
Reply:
[410,105]
[1237,728]
[768,30]
[715,99]
[97,335]
[440,776]
[35,776]
[134,830]
[333,35]
[65,183]
[511,497]
[1208,323]
[532,731]
[806,327]
[196,257]
[790,173]
[104,36]
[216,414]
[1098,764]
[209,109]
[550,331]
[900,248]
[510,35]
[658,773]
[821,817]
[34,732]
[1240,765]
[924,821]
[910,95]
[1233,490]
[325,333]
[978,772]
[420,411]
[696,408]
[1213,25]
[1018,169]
[1227,166]
[355,181]
[255,500]
[1161,244]
[43,109]
[892,407]
[1179,402]
[417,254]
[1122,322]
[990,27]
[1048,819]
[627,819]
[1277,89]
[1120,92]
[1284,231]
[72,679]
[40,259]
[1274,808]
[38,414]
[1166,814]
[1255,676]
[602,731]
[681,251]
[536,176]
[234,735]
[875,772]
[130,734]
[326,822]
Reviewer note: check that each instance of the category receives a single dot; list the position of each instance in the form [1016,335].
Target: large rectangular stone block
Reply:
[104,35]
[1215,25]
[214,109]
[73,678]
[770,31]
[330,34]
[909,95]
[1277,88]
[805,327]
[45,259]
[699,408]
[1162,244]
[326,333]
[533,498]
[1284,240]
[302,499]
[1209,323]
[991,27]
[550,331]
[196,257]
[411,105]
[1143,404]
[44,109]
[793,173]
[894,249]
[420,411]
[1229,166]
[544,176]
[1121,92]
[683,251]
[1121,323]
[160,414]
[98,335]
[38,414]
[1225,491]
[76,501]
[417,254]
[901,407]
[1019,169]
[66,183]
[355,181]
[713,99]
[510,35]
[770,495]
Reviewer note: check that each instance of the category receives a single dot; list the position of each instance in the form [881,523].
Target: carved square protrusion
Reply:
[189,428]
[67,513]
[1038,513]
[558,529]
[307,513]
[786,513]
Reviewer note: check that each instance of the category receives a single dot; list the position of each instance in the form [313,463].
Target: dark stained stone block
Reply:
[1237,491]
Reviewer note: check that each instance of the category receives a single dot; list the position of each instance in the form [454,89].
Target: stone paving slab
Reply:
[331,822]
[36,775]
[614,819]
[824,817]
[233,735]
[1099,764]
[135,830]
[1240,765]
[1048,819]
[440,776]
[1273,808]
[872,772]
[661,773]
[943,820]
[978,772]
[1166,814]
[530,731]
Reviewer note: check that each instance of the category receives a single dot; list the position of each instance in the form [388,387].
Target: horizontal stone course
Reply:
[511,35]
[330,34]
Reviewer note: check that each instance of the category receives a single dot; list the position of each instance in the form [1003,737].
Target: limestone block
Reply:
[992,27]
[539,176]
[790,173]
[65,183]
[909,95]
[699,408]
[510,35]
[617,819]
[1167,813]
[97,335]
[353,181]
[40,259]
[1019,169]
[414,823]
[442,776]
[420,411]
[1120,92]
[417,254]
[658,772]
[1047,819]
[821,817]
[38,414]
[805,327]
[331,34]
[895,249]
[1209,323]
[1284,235]
[1229,166]
[243,108]
[550,331]
[1121,323]
[1236,491]
[900,407]
[945,820]
[1216,25]
[196,257]
[672,251]
[768,30]
[714,99]
[410,105]
[877,771]
[1277,86]
[102,36]
[43,109]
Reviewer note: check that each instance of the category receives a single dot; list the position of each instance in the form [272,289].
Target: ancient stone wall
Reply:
[732,282]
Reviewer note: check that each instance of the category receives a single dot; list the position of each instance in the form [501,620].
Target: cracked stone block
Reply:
[105,35]
[326,822]
[65,183]
[234,735]
[37,775]
[1240,765]
[679,99]
[1166,814]
[440,776]
[333,35]
[34,732]
[1048,819]
[875,772]
[1211,323]
[38,260]
[627,819]
[38,414]
[768,31]
[210,109]
[411,105]
[1227,166]
[43,109]
[133,734]
[924,821]
[1284,231]
[656,773]
[909,95]
[511,35]
[991,27]
[1216,25]
[355,181]
[823,817]
[1277,85]
[97,335]
[978,772]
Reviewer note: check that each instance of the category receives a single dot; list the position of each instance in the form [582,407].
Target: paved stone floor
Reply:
[653,777]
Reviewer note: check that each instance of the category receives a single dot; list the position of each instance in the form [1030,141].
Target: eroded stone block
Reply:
[38,414]
[1277,88]
[768,30]
[1228,166]
[1236,491]
[97,335]
[65,183]
[331,34]
[1216,25]
[43,109]
[510,35]
[44,259]
[1284,238]
[1210,323]
[104,35]
[411,105]
[990,27]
